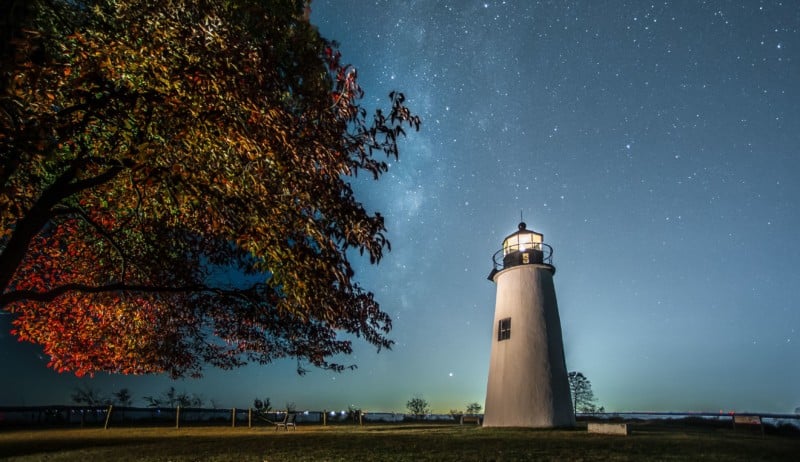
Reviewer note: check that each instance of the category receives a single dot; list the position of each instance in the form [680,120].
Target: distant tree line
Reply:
[89,396]
[417,406]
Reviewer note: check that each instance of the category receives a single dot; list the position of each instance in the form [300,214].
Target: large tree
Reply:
[175,186]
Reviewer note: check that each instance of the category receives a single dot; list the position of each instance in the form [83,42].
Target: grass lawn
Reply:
[390,443]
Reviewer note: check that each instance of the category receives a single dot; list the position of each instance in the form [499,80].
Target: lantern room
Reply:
[522,240]
[525,247]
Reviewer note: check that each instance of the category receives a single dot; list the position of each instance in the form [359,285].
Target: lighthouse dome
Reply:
[523,247]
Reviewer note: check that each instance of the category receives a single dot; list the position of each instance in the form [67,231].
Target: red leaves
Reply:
[108,333]
[333,58]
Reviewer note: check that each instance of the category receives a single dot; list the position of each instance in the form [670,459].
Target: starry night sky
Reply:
[654,144]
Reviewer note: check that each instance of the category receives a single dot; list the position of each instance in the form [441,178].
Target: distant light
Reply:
[450,374]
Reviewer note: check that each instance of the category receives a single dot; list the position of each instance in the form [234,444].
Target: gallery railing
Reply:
[539,253]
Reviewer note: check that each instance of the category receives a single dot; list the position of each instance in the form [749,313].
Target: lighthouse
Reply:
[528,385]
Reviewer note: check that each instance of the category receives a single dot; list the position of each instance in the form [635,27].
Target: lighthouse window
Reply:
[504,329]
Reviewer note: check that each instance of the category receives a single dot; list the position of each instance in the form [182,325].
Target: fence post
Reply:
[178,416]
[324,417]
[108,415]
[360,418]
[250,417]
[233,417]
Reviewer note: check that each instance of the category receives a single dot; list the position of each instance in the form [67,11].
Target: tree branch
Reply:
[99,229]
[250,294]
[41,212]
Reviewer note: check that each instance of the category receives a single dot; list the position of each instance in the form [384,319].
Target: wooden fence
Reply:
[121,416]
[115,416]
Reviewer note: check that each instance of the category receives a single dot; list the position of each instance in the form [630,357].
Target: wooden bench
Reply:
[748,420]
[470,419]
[289,420]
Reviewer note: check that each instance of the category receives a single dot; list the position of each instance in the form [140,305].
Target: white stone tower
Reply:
[528,385]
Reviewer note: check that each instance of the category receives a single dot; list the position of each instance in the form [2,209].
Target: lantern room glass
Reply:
[522,241]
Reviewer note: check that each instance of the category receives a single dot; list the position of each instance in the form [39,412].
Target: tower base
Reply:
[528,384]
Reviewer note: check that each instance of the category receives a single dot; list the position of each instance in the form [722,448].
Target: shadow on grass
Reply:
[61,444]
